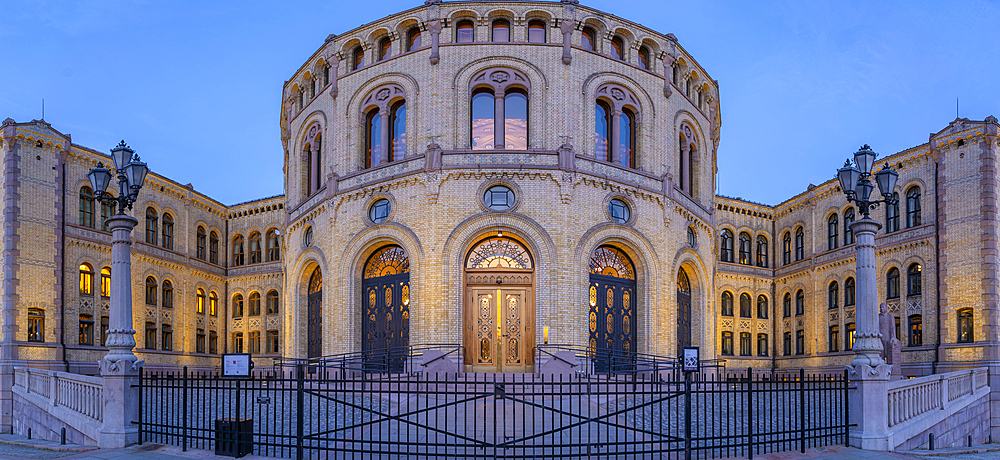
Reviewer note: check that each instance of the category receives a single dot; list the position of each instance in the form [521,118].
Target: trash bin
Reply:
[233,436]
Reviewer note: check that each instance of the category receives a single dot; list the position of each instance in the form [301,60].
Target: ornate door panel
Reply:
[612,318]
[513,350]
[516,329]
[386,310]
[481,338]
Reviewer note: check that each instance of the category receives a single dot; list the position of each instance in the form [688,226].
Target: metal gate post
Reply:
[298,411]
[184,411]
[802,410]
[687,416]
[749,424]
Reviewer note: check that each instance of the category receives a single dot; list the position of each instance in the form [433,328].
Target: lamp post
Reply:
[120,367]
[870,373]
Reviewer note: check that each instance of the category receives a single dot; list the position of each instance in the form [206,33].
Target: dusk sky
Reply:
[195,87]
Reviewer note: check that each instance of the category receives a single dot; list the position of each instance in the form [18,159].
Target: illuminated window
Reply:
[745,305]
[86,330]
[916,331]
[200,301]
[106,282]
[86,279]
[849,337]
[727,303]
[213,304]
[965,326]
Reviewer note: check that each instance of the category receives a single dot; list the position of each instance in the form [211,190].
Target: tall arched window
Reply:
[465,32]
[254,303]
[483,119]
[892,283]
[727,303]
[622,112]
[168,294]
[499,110]
[588,39]
[848,220]
[762,307]
[626,139]
[237,305]
[833,295]
[238,251]
[213,303]
[892,214]
[786,248]
[358,58]
[200,243]
[602,124]
[644,57]
[373,138]
[213,248]
[255,251]
[106,282]
[515,108]
[745,248]
[384,48]
[272,302]
[536,31]
[800,243]
[397,130]
[786,305]
[151,291]
[618,48]
[168,231]
[831,232]
[849,292]
[86,279]
[199,297]
[761,251]
[413,39]
[800,302]
[86,207]
[151,221]
[726,246]
[273,250]
[745,309]
[501,31]
[913,207]
[913,281]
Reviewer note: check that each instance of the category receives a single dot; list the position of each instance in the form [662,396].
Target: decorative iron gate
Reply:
[314,306]
[612,311]
[683,312]
[386,320]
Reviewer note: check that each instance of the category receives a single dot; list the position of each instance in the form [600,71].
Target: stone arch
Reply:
[354,114]
[520,73]
[296,307]
[701,295]
[641,103]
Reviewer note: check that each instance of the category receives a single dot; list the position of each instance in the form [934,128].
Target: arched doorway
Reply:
[612,310]
[683,312]
[499,333]
[386,320]
[314,307]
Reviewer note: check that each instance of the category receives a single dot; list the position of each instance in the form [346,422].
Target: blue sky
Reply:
[195,86]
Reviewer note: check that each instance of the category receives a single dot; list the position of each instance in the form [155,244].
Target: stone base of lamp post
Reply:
[869,406]
[121,403]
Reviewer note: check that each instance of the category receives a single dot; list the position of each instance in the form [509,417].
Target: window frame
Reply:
[762,259]
[532,25]
[800,244]
[745,248]
[213,248]
[357,58]
[762,306]
[238,307]
[166,337]
[800,342]
[36,325]
[167,294]
[913,207]
[86,330]
[590,35]
[786,305]
[832,224]
[414,41]
[892,214]
[152,219]
[238,251]
[151,288]
[786,249]
[255,251]
[105,282]
[848,220]
[500,23]
[746,344]
[86,279]
[465,25]
[833,339]
[915,329]
[892,283]
[746,311]
[914,280]
[167,231]
[87,207]
[966,324]
[762,344]
[275,306]
[200,238]
[850,292]
[254,303]
[273,246]
[833,295]
[800,302]
[726,245]
[726,305]
[727,343]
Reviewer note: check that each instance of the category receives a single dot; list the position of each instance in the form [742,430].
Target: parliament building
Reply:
[492,174]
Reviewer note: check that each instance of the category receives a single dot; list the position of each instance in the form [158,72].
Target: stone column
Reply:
[120,367]
[869,401]
[383,153]
[566,27]
[668,62]
[8,304]
[498,121]
[316,168]
[435,28]
[614,141]
[334,68]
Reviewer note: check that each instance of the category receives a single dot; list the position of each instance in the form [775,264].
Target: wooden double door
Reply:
[499,333]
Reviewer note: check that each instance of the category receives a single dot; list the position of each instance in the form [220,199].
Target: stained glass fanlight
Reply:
[609,261]
[390,260]
[499,252]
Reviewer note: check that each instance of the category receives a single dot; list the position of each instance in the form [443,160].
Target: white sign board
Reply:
[236,365]
[691,363]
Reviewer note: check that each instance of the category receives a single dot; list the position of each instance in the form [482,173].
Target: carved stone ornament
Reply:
[499,76]
[499,79]
[381,97]
[313,131]
[618,97]
[618,94]
[382,94]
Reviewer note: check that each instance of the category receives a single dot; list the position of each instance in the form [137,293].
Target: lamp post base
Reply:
[869,407]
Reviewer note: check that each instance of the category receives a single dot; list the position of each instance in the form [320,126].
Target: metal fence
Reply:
[325,414]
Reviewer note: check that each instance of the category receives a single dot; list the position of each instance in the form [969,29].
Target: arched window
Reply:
[745,306]
[892,214]
[602,124]
[515,108]
[168,231]
[745,248]
[151,221]
[373,138]
[848,220]
[272,302]
[86,279]
[213,304]
[913,282]
[761,251]
[413,39]
[273,250]
[106,282]
[727,303]
[536,31]
[913,207]
[483,119]
[255,251]
[168,294]
[786,305]
[254,303]
[644,57]
[800,243]
[358,58]
[238,251]
[915,323]
[588,39]
[833,295]
[465,32]
[786,248]
[692,238]
[151,291]
[831,232]
[237,305]
[86,207]
[501,31]
[849,292]
[618,48]
[626,139]
[384,48]
[200,243]
[397,130]
[965,326]
[892,283]
[199,297]
[800,302]
[726,246]
[762,307]
[213,248]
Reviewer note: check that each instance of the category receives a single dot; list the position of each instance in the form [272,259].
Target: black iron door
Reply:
[314,328]
[683,312]
[612,323]
[386,322]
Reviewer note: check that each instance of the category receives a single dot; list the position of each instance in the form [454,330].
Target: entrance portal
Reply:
[499,314]
[386,321]
[683,312]
[612,310]
[314,308]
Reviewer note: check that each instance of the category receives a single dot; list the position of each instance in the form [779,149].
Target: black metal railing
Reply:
[468,415]
[408,359]
[605,361]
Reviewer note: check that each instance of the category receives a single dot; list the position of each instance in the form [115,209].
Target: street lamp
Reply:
[856,183]
[131,172]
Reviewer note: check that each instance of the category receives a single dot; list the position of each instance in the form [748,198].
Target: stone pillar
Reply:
[869,400]
[334,69]
[668,69]
[120,367]
[383,153]
[8,304]
[614,140]
[316,170]
[435,28]
[566,27]
[498,121]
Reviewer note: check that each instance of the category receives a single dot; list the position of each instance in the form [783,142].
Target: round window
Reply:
[499,198]
[379,211]
[308,237]
[619,211]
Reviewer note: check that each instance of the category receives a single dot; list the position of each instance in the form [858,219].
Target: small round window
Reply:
[308,237]
[499,198]
[619,211]
[379,211]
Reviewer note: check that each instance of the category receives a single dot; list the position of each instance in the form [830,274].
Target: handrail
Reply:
[601,360]
[391,360]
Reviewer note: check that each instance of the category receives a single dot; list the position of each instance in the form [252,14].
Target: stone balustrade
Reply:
[81,394]
[916,405]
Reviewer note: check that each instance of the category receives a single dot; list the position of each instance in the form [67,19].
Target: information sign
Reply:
[236,365]
[692,362]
